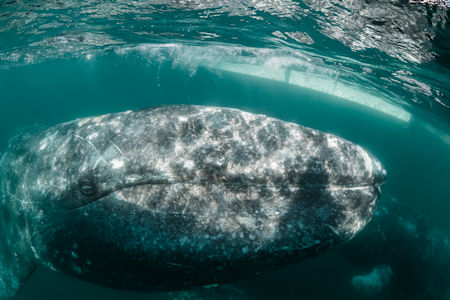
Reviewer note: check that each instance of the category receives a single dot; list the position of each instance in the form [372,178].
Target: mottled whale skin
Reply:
[178,196]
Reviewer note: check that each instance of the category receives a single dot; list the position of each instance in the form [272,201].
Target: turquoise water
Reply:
[376,73]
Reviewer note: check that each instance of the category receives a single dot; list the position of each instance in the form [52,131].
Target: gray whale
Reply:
[175,197]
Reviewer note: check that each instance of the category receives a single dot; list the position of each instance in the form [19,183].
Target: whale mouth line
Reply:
[250,183]
[293,187]
[377,180]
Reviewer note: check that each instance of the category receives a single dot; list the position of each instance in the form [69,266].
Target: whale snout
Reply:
[379,172]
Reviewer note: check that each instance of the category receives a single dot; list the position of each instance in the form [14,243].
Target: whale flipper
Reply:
[16,257]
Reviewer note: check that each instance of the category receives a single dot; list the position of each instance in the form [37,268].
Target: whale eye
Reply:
[87,187]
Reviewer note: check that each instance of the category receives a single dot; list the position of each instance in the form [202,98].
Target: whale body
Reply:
[176,197]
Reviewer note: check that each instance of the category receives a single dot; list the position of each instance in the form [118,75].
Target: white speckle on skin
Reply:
[93,135]
[179,147]
[117,163]
[189,164]
[333,142]
[98,119]
[114,123]
[81,122]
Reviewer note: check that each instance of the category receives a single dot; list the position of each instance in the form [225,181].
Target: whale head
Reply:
[181,196]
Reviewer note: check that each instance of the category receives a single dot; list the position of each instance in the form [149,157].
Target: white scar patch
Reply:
[117,163]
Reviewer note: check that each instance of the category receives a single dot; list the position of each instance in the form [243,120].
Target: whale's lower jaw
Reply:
[176,275]
[197,234]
